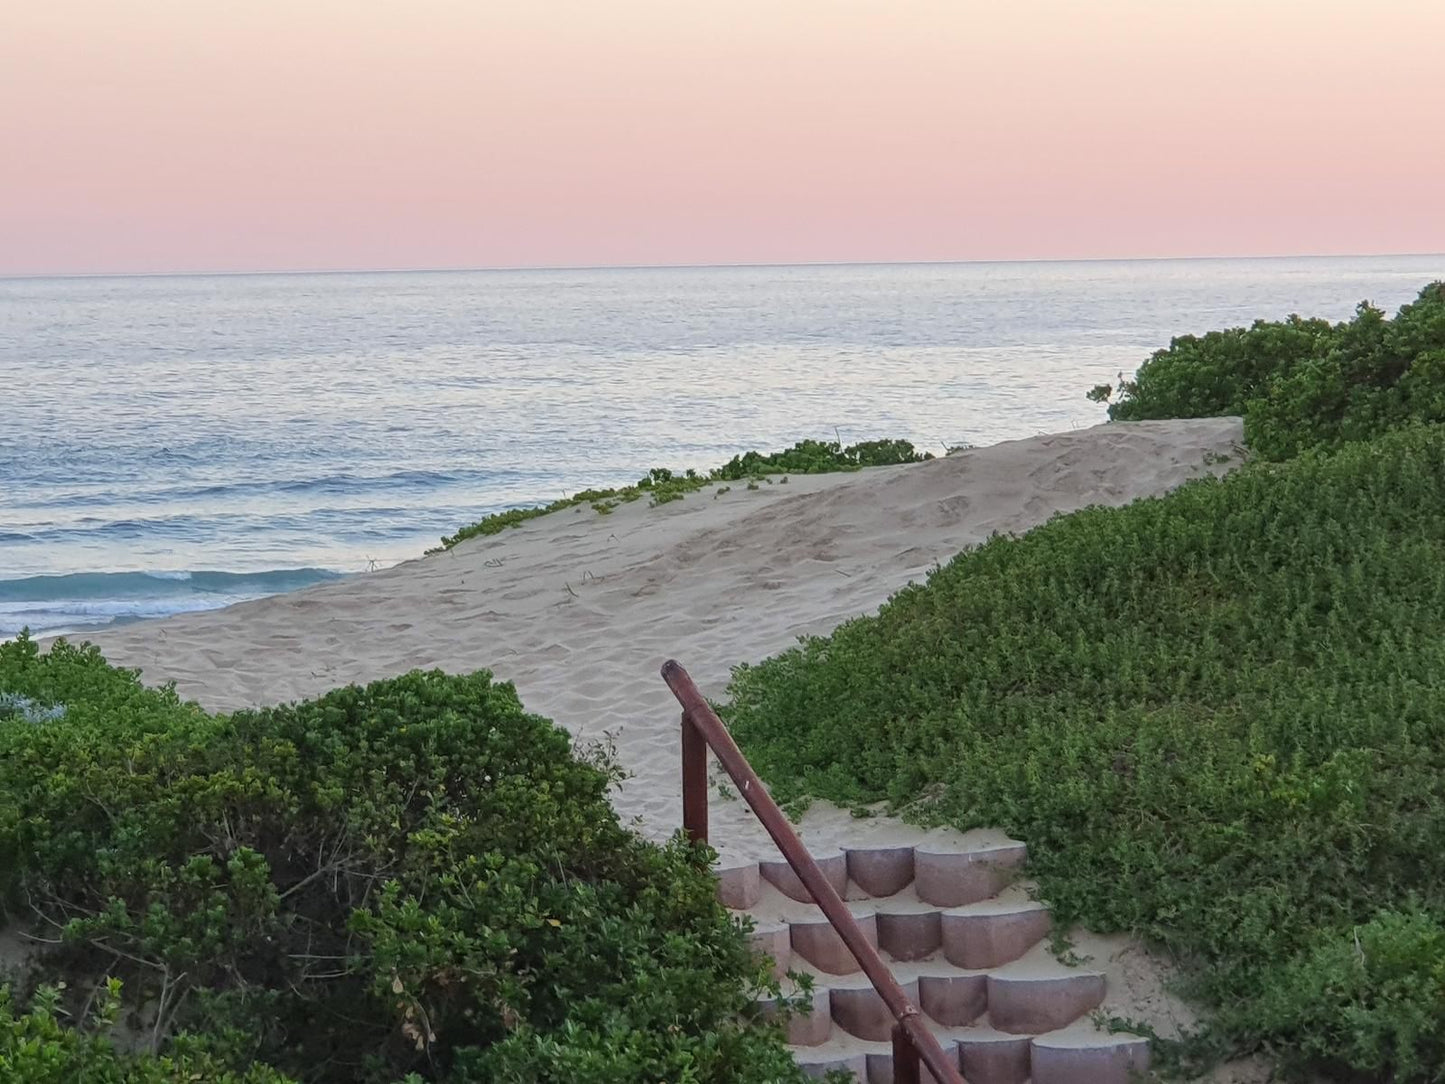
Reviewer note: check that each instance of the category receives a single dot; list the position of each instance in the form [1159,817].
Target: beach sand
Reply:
[581,609]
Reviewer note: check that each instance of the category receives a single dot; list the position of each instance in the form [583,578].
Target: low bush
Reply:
[1218,373]
[819,457]
[1216,717]
[415,877]
[1364,1004]
[1301,383]
[37,1047]
[662,485]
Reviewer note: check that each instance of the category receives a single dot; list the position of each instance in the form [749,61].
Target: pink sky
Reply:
[154,135]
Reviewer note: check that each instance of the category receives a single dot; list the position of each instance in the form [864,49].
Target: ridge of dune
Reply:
[579,610]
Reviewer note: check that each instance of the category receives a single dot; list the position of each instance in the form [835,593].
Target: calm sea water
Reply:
[178,443]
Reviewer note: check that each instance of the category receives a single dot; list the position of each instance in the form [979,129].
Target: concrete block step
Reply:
[817,942]
[947,869]
[859,1010]
[993,932]
[964,937]
[903,928]
[1031,996]
[866,1062]
[989,1056]
[946,877]
[778,873]
[808,1027]
[1079,1054]
[1083,1054]
[1037,993]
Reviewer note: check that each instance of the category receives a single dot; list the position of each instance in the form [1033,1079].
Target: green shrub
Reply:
[1378,375]
[1218,373]
[412,877]
[819,457]
[1216,717]
[664,486]
[1368,1003]
[1301,383]
[37,1048]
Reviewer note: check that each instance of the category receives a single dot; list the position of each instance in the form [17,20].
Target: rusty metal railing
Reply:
[701,728]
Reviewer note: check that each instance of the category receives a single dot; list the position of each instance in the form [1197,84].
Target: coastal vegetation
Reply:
[661,485]
[1300,383]
[412,881]
[1216,716]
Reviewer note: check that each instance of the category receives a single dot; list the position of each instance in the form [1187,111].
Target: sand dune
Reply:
[580,609]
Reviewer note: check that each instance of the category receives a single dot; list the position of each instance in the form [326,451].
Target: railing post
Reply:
[694,781]
[905,1057]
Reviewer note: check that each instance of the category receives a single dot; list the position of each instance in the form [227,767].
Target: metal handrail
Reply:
[912,1041]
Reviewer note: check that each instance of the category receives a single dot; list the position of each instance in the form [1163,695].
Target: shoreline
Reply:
[86,603]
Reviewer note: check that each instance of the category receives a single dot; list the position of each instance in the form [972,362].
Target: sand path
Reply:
[580,610]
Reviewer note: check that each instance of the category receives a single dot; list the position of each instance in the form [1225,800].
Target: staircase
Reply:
[959,976]
[964,939]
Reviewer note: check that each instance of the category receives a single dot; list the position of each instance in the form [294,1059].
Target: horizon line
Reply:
[742,265]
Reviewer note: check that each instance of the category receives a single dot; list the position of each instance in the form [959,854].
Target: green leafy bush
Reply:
[1218,373]
[1367,1003]
[37,1048]
[416,877]
[819,457]
[1378,375]
[664,486]
[1216,717]
[1301,383]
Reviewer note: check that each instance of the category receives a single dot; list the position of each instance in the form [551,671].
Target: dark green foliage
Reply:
[1217,718]
[1378,375]
[37,1048]
[1302,383]
[1365,1004]
[1218,373]
[414,877]
[819,457]
[660,484]
[664,486]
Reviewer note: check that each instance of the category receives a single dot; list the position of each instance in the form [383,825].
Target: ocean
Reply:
[181,443]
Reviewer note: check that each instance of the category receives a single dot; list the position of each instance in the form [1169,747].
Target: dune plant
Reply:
[1216,717]
[37,1046]
[413,879]
[1362,1003]
[663,486]
[1300,383]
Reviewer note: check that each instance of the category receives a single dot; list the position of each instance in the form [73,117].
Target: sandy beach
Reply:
[579,610]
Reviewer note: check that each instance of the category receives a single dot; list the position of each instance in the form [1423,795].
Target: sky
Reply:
[214,135]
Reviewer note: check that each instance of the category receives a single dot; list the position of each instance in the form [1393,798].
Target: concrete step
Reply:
[946,877]
[817,942]
[1083,1054]
[806,1027]
[778,873]
[902,927]
[836,1055]
[859,1009]
[993,932]
[1030,996]
[867,1062]
[963,936]
[1037,993]
[947,868]
[1079,1054]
